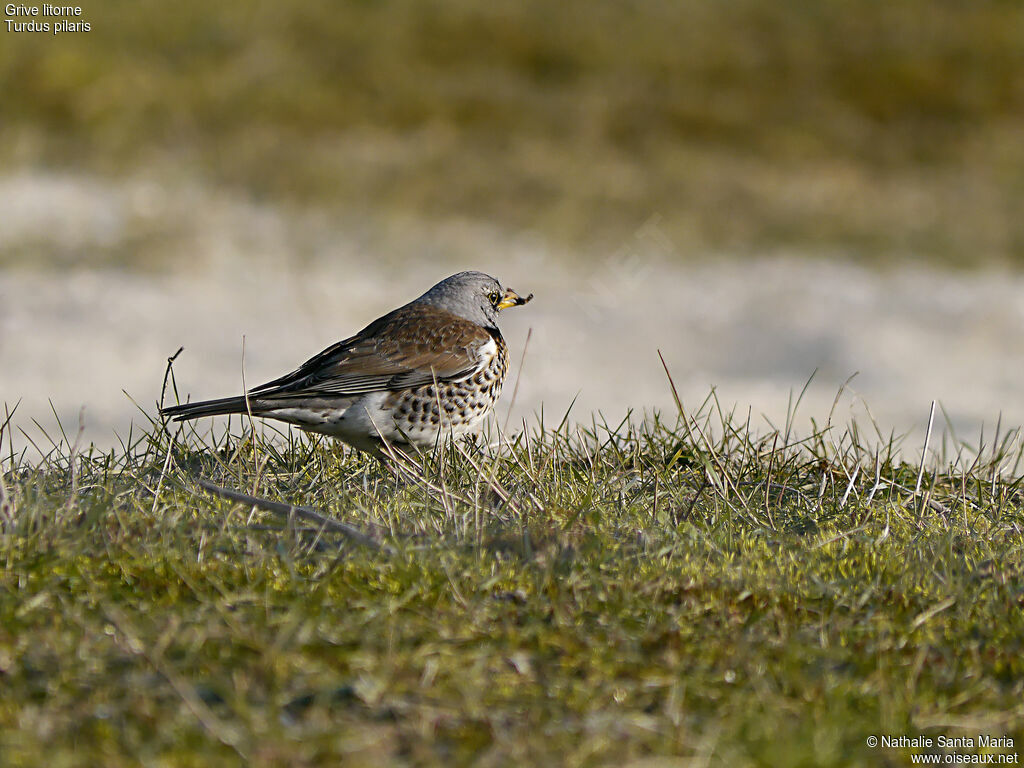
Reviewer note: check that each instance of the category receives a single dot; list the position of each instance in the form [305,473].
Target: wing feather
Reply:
[412,346]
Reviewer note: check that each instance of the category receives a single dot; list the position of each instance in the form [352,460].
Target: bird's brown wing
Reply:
[412,346]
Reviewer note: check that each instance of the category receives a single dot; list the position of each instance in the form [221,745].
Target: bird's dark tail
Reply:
[221,407]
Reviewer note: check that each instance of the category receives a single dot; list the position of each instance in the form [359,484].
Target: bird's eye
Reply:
[494,296]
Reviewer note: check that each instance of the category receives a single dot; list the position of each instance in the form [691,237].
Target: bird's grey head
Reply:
[474,296]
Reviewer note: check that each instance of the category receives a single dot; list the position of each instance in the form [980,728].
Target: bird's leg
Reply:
[391,460]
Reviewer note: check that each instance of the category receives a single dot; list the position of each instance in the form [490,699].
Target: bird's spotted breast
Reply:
[459,406]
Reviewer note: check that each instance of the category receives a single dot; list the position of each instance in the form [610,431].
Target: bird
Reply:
[431,369]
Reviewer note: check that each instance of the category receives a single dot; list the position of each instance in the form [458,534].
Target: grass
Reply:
[677,587]
[870,129]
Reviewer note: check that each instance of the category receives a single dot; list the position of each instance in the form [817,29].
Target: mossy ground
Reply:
[678,587]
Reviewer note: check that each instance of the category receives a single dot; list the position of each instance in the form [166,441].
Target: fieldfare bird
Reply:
[429,369]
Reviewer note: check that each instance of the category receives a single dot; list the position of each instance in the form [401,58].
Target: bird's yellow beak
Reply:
[512,299]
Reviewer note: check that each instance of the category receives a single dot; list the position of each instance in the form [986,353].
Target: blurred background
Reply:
[758,189]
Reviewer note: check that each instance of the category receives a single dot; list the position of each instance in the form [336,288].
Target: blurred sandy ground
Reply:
[292,282]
